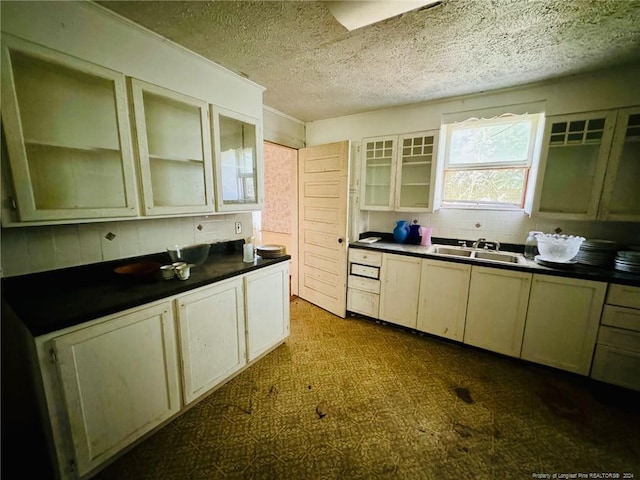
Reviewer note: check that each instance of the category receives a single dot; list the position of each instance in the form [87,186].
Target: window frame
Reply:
[530,164]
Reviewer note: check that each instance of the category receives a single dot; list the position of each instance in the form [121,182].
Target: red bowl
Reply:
[138,270]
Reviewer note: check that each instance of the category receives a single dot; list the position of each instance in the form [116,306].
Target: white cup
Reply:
[247,253]
[183,271]
[168,271]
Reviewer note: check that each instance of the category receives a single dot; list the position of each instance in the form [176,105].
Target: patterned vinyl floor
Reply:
[352,399]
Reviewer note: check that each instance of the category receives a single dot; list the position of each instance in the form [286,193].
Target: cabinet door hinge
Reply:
[52,356]
[12,203]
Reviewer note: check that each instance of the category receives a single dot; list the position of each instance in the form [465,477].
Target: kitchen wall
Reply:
[37,249]
[282,129]
[609,89]
[505,227]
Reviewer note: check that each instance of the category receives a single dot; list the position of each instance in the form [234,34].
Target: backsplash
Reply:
[37,249]
[505,227]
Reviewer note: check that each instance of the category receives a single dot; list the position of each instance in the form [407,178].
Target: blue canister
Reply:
[401,231]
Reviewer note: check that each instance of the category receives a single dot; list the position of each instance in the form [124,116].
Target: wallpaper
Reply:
[279,188]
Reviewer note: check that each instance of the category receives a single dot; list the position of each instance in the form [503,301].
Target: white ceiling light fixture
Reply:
[357,14]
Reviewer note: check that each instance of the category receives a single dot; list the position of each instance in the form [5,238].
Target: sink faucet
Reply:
[486,243]
[494,243]
[477,243]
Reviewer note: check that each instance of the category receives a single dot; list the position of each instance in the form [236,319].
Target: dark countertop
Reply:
[585,272]
[50,301]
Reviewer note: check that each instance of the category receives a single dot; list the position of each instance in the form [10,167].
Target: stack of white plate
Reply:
[271,251]
[628,261]
[599,253]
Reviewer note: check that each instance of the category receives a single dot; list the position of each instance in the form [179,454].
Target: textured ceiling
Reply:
[313,68]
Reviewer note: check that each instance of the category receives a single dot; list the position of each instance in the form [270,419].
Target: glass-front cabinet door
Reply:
[621,192]
[573,164]
[398,172]
[415,171]
[174,147]
[378,171]
[67,136]
[238,157]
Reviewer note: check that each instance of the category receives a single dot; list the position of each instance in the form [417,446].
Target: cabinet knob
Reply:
[340,240]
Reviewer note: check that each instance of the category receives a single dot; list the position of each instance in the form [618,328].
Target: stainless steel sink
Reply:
[489,255]
[456,252]
[496,257]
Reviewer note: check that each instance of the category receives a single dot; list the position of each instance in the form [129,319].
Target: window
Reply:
[487,162]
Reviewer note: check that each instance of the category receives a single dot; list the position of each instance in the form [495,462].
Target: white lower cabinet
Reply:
[212,336]
[616,365]
[363,284]
[363,302]
[267,308]
[108,382]
[444,290]
[118,379]
[562,322]
[399,289]
[496,309]
[617,356]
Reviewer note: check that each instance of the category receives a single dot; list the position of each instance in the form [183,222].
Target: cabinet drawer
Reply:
[365,271]
[617,366]
[363,302]
[621,317]
[617,337]
[366,284]
[365,257]
[624,295]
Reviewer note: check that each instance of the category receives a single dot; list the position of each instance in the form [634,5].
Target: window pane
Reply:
[497,143]
[499,186]
[596,124]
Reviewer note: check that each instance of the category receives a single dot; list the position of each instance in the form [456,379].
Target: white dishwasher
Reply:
[617,356]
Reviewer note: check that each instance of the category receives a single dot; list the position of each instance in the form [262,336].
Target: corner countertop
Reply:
[585,272]
[50,301]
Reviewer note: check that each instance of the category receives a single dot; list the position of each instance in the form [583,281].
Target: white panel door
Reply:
[496,309]
[562,322]
[399,287]
[120,380]
[323,190]
[267,304]
[212,343]
[444,290]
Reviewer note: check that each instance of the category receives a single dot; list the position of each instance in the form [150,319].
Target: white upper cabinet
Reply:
[398,172]
[174,147]
[589,168]
[67,136]
[621,195]
[238,160]
[378,156]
